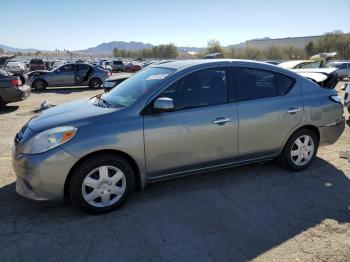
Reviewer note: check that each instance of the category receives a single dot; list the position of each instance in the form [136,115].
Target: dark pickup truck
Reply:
[12,88]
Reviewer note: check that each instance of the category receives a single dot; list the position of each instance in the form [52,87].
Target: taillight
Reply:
[16,82]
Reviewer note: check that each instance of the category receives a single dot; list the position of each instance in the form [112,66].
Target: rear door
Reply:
[269,108]
[81,74]
[200,133]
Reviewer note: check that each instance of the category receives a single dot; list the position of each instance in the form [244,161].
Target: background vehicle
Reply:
[74,74]
[343,69]
[113,81]
[347,94]
[172,120]
[36,64]
[118,65]
[15,67]
[12,89]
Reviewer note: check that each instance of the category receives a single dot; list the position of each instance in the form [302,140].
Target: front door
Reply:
[63,75]
[200,133]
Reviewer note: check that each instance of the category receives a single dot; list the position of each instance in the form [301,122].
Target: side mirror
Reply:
[164,104]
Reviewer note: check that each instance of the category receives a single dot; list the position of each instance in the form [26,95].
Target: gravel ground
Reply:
[258,212]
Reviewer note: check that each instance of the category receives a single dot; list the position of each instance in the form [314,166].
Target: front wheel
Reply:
[39,85]
[300,150]
[102,183]
[95,83]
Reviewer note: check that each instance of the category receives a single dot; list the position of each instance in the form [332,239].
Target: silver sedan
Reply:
[172,120]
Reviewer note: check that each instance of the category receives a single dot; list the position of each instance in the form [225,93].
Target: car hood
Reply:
[39,71]
[119,77]
[78,113]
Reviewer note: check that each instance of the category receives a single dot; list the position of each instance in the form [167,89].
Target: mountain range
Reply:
[105,48]
[13,49]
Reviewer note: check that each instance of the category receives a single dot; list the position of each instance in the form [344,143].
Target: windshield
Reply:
[334,65]
[127,92]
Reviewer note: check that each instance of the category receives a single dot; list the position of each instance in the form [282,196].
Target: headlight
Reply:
[109,84]
[49,139]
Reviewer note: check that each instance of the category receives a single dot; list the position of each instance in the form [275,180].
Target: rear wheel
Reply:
[102,183]
[39,85]
[95,83]
[2,103]
[300,150]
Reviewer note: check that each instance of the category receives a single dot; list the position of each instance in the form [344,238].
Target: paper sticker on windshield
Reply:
[157,77]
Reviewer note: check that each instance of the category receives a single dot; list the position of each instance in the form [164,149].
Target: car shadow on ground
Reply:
[231,215]
[8,109]
[66,90]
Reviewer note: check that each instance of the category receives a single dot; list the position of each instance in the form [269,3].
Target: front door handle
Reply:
[293,110]
[221,121]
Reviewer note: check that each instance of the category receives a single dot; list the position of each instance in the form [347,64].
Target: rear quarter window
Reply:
[284,84]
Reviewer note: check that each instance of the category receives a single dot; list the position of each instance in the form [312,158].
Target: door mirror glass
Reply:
[164,104]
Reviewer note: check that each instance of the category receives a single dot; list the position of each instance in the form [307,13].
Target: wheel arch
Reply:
[313,128]
[138,179]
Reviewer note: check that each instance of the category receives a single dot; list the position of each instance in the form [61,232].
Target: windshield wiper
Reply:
[101,101]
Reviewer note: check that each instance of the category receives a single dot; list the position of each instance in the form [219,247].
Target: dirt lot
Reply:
[260,212]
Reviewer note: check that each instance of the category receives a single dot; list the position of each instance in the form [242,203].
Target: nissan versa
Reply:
[171,120]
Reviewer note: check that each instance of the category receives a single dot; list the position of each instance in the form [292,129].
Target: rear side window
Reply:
[36,62]
[256,83]
[284,84]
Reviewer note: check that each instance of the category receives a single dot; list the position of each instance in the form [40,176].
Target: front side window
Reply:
[82,67]
[66,68]
[202,88]
[130,90]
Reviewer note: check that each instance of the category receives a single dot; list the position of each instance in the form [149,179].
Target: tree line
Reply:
[160,52]
[335,41]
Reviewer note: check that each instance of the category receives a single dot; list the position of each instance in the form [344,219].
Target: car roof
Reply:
[181,64]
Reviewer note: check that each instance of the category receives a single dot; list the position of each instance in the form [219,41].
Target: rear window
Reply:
[3,73]
[36,62]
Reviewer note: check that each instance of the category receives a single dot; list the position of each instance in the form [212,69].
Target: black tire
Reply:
[39,85]
[86,167]
[2,103]
[286,158]
[95,83]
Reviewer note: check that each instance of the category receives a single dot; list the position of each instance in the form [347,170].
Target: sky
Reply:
[80,24]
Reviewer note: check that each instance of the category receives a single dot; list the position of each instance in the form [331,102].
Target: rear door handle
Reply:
[221,121]
[293,110]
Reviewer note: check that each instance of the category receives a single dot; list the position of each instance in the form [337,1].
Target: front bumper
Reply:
[331,133]
[42,176]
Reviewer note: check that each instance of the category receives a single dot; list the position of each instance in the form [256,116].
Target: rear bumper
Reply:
[331,133]
[18,94]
